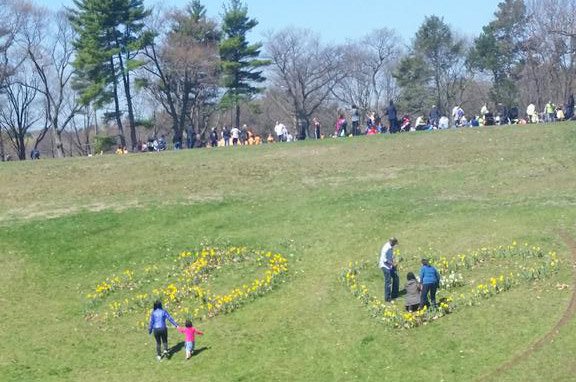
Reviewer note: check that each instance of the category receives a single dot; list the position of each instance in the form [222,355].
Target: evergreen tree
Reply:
[426,75]
[412,77]
[110,36]
[239,60]
[499,50]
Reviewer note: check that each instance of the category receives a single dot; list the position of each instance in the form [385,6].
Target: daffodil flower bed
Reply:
[529,264]
[184,285]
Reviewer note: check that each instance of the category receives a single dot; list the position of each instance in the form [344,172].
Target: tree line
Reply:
[114,72]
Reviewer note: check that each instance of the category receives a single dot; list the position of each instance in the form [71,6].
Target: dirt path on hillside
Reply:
[568,315]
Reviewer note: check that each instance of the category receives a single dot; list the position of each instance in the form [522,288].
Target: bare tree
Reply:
[10,22]
[50,50]
[370,63]
[305,71]
[20,113]
[184,69]
[82,130]
[551,62]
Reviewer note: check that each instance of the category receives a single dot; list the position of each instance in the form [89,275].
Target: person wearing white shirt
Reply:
[455,115]
[279,129]
[388,265]
[235,132]
[531,112]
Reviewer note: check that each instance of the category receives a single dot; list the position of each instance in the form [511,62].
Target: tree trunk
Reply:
[58,143]
[21,147]
[117,108]
[2,154]
[128,93]
[237,114]
[302,128]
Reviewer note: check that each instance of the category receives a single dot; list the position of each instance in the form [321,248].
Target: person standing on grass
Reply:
[158,319]
[388,265]
[213,137]
[434,116]
[189,337]
[340,127]
[392,118]
[429,281]
[235,133]
[316,123]
[226,135]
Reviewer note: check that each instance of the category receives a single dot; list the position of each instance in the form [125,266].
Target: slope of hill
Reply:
[67,225]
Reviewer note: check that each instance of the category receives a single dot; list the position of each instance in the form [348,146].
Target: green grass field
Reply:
[66,225]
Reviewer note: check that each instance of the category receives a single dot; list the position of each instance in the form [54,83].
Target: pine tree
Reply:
[499,50]
[110,36]
[425,75]
[239,59]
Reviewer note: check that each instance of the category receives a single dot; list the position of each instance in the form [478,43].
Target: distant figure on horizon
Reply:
[317,126]
[434,116]
[355,120]
[340,127]
[35,154]
[213,137]
[569,107]
[280,129]
[392,118]
[235,133]
[226,136]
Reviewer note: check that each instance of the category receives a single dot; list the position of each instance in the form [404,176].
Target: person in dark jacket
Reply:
[434,116]
[569,108]
[213,137]
[392,117]
[158,319]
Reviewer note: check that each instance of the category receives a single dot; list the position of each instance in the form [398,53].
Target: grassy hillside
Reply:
[66,225]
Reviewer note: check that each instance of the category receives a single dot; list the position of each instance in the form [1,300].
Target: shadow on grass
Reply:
[180,345]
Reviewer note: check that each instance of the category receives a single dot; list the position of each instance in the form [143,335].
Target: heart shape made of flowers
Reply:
[183,285]
[524,264]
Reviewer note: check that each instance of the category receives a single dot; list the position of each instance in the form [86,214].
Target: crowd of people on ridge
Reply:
[392,122]
[501,115]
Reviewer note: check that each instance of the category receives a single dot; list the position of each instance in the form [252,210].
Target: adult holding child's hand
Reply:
[158,319]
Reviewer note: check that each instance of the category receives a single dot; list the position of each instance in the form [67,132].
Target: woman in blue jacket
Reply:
[429,280]
[158,319]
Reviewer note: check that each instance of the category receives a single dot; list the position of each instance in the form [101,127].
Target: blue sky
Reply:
[339,20]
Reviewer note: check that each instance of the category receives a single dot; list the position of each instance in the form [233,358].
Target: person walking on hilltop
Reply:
[226,135]
[569,108]
[434,116]
[388,265]
[550,110]
[235,134]
[317,126]
[279,130]
[340,127]
[392,118]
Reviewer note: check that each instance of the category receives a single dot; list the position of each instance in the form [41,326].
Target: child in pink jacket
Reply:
[189,336]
